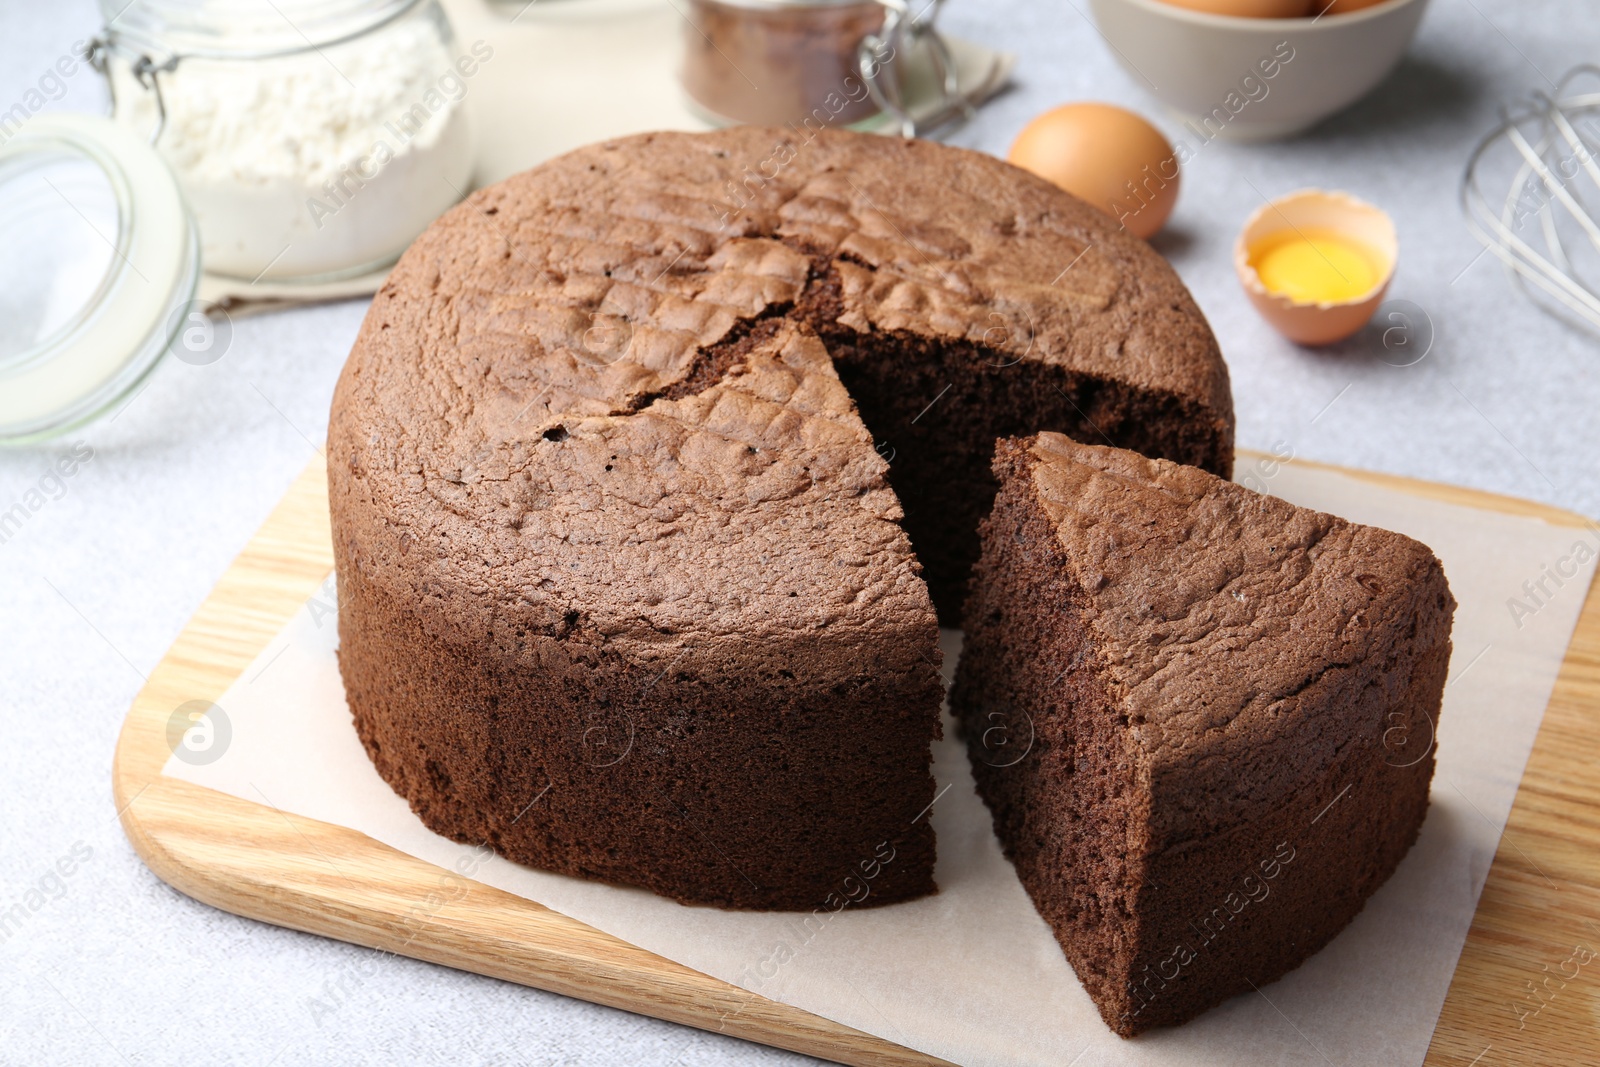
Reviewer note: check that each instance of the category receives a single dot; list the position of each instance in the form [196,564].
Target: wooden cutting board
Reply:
[1526,990]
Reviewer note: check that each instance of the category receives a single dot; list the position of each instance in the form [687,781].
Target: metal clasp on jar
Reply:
[145,69]
[902,34]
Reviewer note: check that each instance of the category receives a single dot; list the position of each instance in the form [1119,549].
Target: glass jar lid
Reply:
[98,261]
[240,29]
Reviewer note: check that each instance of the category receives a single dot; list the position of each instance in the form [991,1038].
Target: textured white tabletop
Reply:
[115,967]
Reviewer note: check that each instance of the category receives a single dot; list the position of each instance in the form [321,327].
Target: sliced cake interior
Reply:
[936,403]
[1201,717]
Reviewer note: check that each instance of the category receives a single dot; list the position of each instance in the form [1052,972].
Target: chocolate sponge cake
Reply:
[1202,718]
[627,464]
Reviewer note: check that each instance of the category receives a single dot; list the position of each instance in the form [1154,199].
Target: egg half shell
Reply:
[1308,210]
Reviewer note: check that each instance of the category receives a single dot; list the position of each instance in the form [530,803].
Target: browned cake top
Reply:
[578,387]
[1228,620]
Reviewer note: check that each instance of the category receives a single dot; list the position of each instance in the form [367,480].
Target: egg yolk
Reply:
[1315,267]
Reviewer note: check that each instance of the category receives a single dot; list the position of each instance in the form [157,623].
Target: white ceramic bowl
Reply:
[1213,70]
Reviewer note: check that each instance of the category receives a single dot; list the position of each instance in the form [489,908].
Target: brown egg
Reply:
[1252,9]
[1107,156]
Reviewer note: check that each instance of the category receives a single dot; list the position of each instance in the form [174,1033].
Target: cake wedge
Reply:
[1202,718]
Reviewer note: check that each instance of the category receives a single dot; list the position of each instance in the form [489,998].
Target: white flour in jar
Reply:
[322,162]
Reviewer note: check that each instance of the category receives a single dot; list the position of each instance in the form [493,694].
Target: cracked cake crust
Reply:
[626,583]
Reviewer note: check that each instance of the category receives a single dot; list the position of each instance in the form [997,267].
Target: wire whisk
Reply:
[1545,154]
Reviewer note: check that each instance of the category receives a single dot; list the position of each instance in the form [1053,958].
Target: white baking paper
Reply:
[972,974]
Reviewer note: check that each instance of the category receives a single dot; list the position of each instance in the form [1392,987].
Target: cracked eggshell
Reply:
[1320,323]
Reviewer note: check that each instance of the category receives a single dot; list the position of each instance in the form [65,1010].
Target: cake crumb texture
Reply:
[1231,703]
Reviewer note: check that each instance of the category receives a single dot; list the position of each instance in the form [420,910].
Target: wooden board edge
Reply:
[525,943]
[1510,1001]
[1481,499]
[551,951]
[374,896]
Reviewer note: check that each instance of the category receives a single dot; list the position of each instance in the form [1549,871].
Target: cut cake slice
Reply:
[1202,718]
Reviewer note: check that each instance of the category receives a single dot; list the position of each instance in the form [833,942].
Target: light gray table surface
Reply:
[118,968]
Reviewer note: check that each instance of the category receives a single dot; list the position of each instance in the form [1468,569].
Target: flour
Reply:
[318,163]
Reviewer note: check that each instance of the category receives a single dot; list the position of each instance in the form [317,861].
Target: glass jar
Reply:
[813,64]
[98,265]
[773,62]
[313,139]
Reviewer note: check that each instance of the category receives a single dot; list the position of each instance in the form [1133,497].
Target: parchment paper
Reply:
[973,974]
